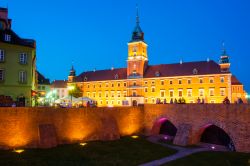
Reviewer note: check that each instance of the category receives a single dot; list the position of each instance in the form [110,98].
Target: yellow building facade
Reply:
[141,83]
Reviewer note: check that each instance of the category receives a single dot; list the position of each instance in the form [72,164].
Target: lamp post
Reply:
[71,88]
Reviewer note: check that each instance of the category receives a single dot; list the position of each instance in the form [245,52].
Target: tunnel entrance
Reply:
[215,135]
[168,130]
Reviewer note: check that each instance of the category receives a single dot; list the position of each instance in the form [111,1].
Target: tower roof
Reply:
[137,34]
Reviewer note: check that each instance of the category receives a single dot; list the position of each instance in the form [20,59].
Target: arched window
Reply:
[157,74]
[116,76]
[85,78]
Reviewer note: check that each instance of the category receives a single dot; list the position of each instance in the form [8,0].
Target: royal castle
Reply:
[142,83]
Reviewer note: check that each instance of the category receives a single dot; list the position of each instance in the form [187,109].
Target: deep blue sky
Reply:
[94,33]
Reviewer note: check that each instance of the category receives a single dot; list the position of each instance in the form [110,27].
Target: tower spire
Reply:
[224,52]
[137,15]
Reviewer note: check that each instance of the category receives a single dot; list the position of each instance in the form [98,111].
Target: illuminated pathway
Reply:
[182,152]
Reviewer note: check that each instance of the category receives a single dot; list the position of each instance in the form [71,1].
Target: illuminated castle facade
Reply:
[141,83]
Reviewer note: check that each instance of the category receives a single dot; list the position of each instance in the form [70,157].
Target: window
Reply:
[201,92]
[179,81]
[1,74]
[22,76]
[170,82]
[145,82]
[118,94]
[201,80]
[107,84]
[94,86]
[112,102]
[88,94]
[118,102]
[107,102]
[153,89]
[162,93]
[2,56]
[162,82]
[23,58]
[153,82]
[222,80]
[112,94]
[212,101]
[7,37]
[189,92]
[100,102]
[112,85]
[134,93]
[134,83]
[88,86]
[100,85]
[189,81]
[100,94]
[157,73]
[124,84]
[94,94]
[125,93]
[171,93]
[116,76]
[211,80]
[195,71]
[85,78]
[107,94]
[146,100]
[118,84]
[146,89]
[211,92]
[222,91]
[180,92]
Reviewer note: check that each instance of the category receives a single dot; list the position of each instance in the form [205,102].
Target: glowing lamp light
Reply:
[135,136]
[18,151]
[166,137]
[213,147]
[83,143]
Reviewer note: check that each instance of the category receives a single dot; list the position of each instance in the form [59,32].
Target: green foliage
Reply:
[76,92]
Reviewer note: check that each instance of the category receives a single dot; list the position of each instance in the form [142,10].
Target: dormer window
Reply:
[157,73]
[85,78]
[116,76]
[195,71]
[7,37]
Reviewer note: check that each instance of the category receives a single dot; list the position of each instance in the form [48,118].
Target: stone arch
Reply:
[159,124]
[218,136]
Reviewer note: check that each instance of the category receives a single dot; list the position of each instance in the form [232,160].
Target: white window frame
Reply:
[2,55]
[23,58]
[222,91]
[170,93]
[22,76]
[203,93]
[211,89]
[189,91]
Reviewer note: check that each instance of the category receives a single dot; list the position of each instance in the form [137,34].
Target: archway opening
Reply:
[217,136]
[167,128]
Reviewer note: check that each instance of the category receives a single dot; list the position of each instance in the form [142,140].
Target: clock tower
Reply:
[137,53]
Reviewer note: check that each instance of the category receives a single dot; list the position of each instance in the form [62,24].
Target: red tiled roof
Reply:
[235,81]
[59,84]
[164,70]
[101,75]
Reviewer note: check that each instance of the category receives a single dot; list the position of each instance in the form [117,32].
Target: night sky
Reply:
[94,33]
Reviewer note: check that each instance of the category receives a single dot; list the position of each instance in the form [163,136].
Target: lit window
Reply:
[222,91]
[189,81]
[22,76]
[201,80]
[146,89]
[162,93]
[170,82]
[222,80]
[171,93]
[162,82]
[23,57]
[211,80]
[1,74]
[100,94]
[2,56]
[211,91]
[189,92]
[201,92]
[153,89]
[180,93]
[7,37]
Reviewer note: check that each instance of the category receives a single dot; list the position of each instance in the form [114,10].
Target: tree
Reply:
[76,92]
